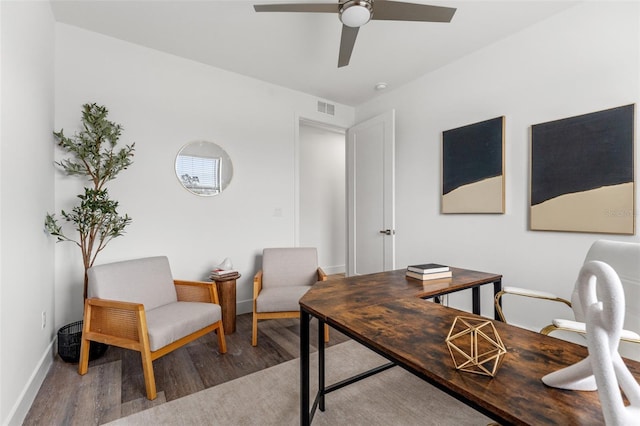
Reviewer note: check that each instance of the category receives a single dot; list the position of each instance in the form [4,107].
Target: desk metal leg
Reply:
[304,368]
[497,288]
[321,383]
[476,300]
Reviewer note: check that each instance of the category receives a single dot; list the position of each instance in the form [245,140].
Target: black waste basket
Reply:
[69,340]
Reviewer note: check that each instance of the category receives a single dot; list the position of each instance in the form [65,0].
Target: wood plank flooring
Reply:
[114,386]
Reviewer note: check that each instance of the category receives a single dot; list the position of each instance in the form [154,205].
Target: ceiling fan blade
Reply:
[298,7]
[347,41]
[398,11]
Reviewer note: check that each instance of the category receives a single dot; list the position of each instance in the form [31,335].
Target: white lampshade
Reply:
[355,16]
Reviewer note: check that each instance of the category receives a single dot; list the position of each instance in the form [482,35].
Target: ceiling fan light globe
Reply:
[356,13]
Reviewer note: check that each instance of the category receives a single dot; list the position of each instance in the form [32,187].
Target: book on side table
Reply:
[222,273]
[427,268]
[428,271]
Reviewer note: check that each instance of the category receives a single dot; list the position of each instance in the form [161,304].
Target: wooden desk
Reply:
[353,292]
[393,321]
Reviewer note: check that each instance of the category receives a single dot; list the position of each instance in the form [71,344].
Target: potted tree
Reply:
[93,156]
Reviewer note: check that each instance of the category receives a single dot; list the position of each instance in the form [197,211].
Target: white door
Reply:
[370,195]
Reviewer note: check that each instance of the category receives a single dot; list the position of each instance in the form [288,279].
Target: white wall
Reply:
[26,194]
[322,194]
[582,60]
[164,102]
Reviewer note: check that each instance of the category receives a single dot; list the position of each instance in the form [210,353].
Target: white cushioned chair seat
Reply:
[280,299]
[581,327]
[171,322]
[147,281]
[287,273]
[113,315]
[289,266]
[529,292]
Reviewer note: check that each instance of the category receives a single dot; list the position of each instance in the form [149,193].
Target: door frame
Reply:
[296,167]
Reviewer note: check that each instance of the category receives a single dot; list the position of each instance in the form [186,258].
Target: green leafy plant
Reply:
[93,155]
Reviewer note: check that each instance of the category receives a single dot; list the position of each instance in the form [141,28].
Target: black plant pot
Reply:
[69,340]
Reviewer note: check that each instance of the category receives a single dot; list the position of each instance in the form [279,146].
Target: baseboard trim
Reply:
[21,408]
[244,306]
[331,270]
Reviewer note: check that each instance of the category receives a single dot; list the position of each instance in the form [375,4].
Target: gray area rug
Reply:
[271,397]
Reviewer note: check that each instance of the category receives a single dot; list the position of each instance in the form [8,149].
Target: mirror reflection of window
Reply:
[203,168]
[201,175]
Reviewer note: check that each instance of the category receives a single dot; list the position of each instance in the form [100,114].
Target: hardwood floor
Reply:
[114,386]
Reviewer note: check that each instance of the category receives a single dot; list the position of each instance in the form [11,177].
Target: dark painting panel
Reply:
[582,173]
[471,153]
[581,153]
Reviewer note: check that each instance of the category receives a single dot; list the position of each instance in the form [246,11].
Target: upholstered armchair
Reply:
[286,275]
[137,305]
[624,258]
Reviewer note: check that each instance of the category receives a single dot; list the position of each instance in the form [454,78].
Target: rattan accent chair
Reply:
[137,305]
[286,275]
[624,258]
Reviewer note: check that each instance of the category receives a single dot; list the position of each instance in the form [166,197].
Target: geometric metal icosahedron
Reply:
[475,346]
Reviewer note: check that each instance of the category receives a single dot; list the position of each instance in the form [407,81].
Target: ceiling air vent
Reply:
[326,108]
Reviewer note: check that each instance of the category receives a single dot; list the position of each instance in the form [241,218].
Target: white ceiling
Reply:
[300,50]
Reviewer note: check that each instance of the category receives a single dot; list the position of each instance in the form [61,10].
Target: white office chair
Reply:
[624,258]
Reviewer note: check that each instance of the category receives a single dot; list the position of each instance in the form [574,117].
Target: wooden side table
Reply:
[227,293]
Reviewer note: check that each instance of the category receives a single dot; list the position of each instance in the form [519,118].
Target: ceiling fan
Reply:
[355,13]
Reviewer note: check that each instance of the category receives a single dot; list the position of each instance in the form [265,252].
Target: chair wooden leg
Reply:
[222,343]
[83,365]
[254,333]
[149,378]
[326,333]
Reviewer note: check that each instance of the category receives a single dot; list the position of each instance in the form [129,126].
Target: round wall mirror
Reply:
[203,168]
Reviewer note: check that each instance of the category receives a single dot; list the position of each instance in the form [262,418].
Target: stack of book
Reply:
[222,274]
[428,271]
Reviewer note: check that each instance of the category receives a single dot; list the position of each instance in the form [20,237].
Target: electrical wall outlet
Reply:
[44,319]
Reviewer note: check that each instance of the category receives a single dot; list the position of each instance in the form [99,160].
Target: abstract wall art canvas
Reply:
[582,173]
[473,168]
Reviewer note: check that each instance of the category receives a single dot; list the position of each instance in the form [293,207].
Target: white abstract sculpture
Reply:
[226,264]
[604,366]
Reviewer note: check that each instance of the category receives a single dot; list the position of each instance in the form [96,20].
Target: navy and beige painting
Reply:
[473,168]
[582,173]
